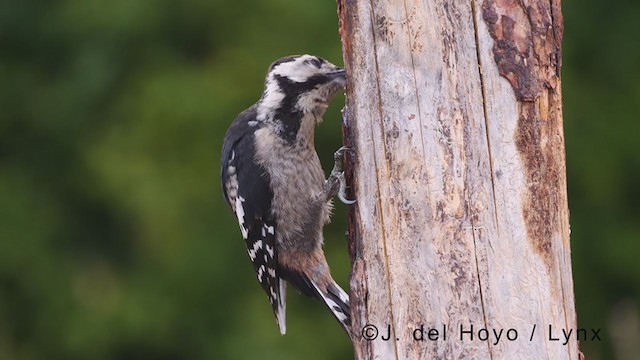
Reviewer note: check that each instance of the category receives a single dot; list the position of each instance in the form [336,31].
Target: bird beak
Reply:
[338,72]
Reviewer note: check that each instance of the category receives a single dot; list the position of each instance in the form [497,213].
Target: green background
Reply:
[115,242]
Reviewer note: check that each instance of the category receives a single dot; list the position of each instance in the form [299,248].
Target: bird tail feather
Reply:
[337,300]
[281,308]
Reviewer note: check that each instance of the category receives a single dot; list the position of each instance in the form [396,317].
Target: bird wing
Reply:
[246,189]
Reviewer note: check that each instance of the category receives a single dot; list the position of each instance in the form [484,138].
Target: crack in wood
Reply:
[527,52]
[493,182]
[379,193]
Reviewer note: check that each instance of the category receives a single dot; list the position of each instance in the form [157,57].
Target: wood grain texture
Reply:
[455,112]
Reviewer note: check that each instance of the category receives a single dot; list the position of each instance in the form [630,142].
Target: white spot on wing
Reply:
[256,246]
[270,250]
[260,273]
[232,182]
[240,215]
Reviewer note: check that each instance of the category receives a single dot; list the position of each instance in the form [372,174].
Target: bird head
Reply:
[302,82]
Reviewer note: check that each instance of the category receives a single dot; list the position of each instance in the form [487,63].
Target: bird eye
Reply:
[315,62]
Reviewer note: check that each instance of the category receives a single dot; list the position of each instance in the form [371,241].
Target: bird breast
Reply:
[297,181]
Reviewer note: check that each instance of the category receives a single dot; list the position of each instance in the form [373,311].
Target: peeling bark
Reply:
[527,50]
[527,43]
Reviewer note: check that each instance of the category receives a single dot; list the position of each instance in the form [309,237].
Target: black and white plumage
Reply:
[273,181]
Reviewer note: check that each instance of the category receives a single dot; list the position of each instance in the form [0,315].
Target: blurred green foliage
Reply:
[115,242]
[601,88]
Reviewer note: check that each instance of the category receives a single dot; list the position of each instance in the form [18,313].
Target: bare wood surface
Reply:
[454,110]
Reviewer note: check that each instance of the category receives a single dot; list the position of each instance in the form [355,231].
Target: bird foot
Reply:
[336,183]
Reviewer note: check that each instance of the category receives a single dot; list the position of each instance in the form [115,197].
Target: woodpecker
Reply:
[273,182]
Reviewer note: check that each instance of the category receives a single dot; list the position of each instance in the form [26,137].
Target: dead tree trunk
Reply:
[454,109]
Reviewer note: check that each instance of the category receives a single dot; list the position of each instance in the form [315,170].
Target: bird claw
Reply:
[337,175]
[342,191]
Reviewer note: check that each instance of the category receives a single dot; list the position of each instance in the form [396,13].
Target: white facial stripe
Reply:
[271,99]
[297,70]
[311,101]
